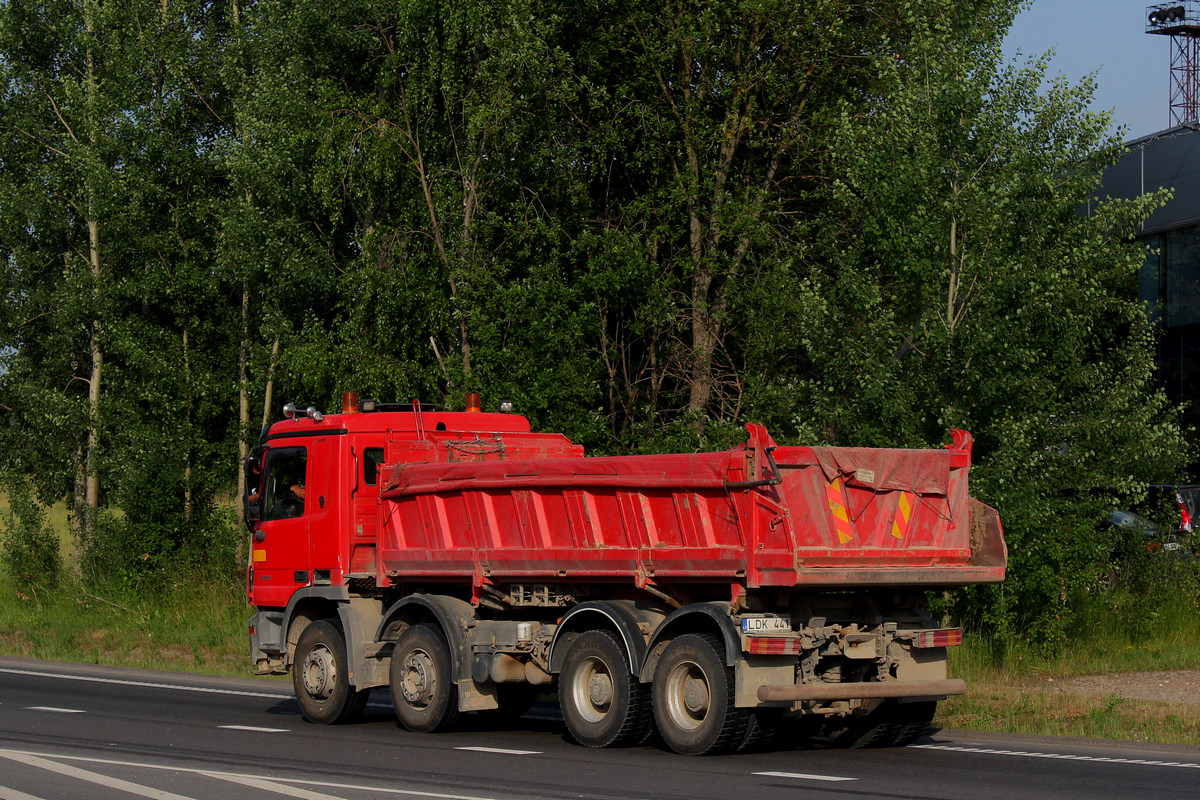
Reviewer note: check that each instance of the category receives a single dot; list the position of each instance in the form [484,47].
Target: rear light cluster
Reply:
[773,645]
[943,637]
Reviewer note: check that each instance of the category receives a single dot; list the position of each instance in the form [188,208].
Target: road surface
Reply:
[83,731]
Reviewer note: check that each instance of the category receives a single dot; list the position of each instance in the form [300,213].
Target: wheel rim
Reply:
[319,673]
[688,695]
[419,680]
[592,690]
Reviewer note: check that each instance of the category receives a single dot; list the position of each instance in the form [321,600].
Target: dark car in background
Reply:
[1167,524]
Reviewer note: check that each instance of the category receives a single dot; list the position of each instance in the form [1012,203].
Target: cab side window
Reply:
[284,484]
[372,458]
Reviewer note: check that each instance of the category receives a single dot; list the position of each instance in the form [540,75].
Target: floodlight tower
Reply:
[1181,21]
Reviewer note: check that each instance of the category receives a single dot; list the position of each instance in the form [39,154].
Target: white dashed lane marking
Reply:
[54,710]
[253,728]
[804,776]
[502,750]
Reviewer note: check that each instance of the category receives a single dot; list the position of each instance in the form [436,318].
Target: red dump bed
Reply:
[758,515]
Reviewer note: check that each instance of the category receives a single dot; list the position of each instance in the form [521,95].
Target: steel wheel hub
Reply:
[688,695]
[592,690]
[319,673]
[418,683]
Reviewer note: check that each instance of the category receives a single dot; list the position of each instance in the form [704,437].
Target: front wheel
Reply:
[602,703]
[421,681]
[694,698]
[321,676]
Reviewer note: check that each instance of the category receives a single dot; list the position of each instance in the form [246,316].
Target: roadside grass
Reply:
[197,623]
[1013,704]
[1021,689]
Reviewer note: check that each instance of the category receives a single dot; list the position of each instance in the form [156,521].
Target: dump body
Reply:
[759,515]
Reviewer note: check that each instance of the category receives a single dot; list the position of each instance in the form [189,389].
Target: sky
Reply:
[1108,38]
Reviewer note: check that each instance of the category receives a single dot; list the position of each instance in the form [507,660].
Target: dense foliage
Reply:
[643,223]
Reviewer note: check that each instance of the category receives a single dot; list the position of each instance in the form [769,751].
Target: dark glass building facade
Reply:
[1169,281]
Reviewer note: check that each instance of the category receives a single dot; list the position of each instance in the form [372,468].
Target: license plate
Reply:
[754,625]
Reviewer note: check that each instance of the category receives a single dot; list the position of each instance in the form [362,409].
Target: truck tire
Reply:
[875,729]
[890,725]
[421,683]
[321,676]
[602,702]
[693,697]
[914,720]
[761,728]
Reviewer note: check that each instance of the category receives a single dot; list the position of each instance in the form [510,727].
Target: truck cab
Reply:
[312,501]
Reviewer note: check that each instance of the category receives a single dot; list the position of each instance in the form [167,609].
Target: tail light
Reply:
[943,637]
[773,645]
[1184,517]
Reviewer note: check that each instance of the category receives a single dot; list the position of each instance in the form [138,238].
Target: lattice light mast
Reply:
[1181,22]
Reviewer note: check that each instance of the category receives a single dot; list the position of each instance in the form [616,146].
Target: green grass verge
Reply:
[1022,690]
[198,626]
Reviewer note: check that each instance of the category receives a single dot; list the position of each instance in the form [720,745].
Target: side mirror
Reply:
[252,467]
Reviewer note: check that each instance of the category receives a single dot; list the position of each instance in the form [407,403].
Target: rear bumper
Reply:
[861,691]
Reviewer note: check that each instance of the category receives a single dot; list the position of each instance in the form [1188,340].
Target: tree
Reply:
[963,286]
[106,133]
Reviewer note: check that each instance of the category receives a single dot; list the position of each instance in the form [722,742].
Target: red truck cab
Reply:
[315,515]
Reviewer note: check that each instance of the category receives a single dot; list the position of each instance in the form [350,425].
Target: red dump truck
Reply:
[469,564]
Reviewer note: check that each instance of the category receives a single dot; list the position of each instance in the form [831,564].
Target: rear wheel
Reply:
[891,725]
[421,680]
[602,703]
[875,729]
[761,729]
[321,676]
[693,698]
[914,719]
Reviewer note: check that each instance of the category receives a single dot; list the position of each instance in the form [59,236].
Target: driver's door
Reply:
[280,555]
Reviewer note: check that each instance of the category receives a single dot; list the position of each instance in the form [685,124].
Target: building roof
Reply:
[1169,159]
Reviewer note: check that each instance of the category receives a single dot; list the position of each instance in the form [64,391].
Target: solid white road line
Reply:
[379,790]
[271,786]
[56,710]
[92,777]
[143,684]
[1060,756]
[804,776]
[13,794]
[254,728]
[502,750]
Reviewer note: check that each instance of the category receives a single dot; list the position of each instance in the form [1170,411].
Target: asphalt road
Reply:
[81,731]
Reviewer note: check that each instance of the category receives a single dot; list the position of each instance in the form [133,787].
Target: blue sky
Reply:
[1105,37]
